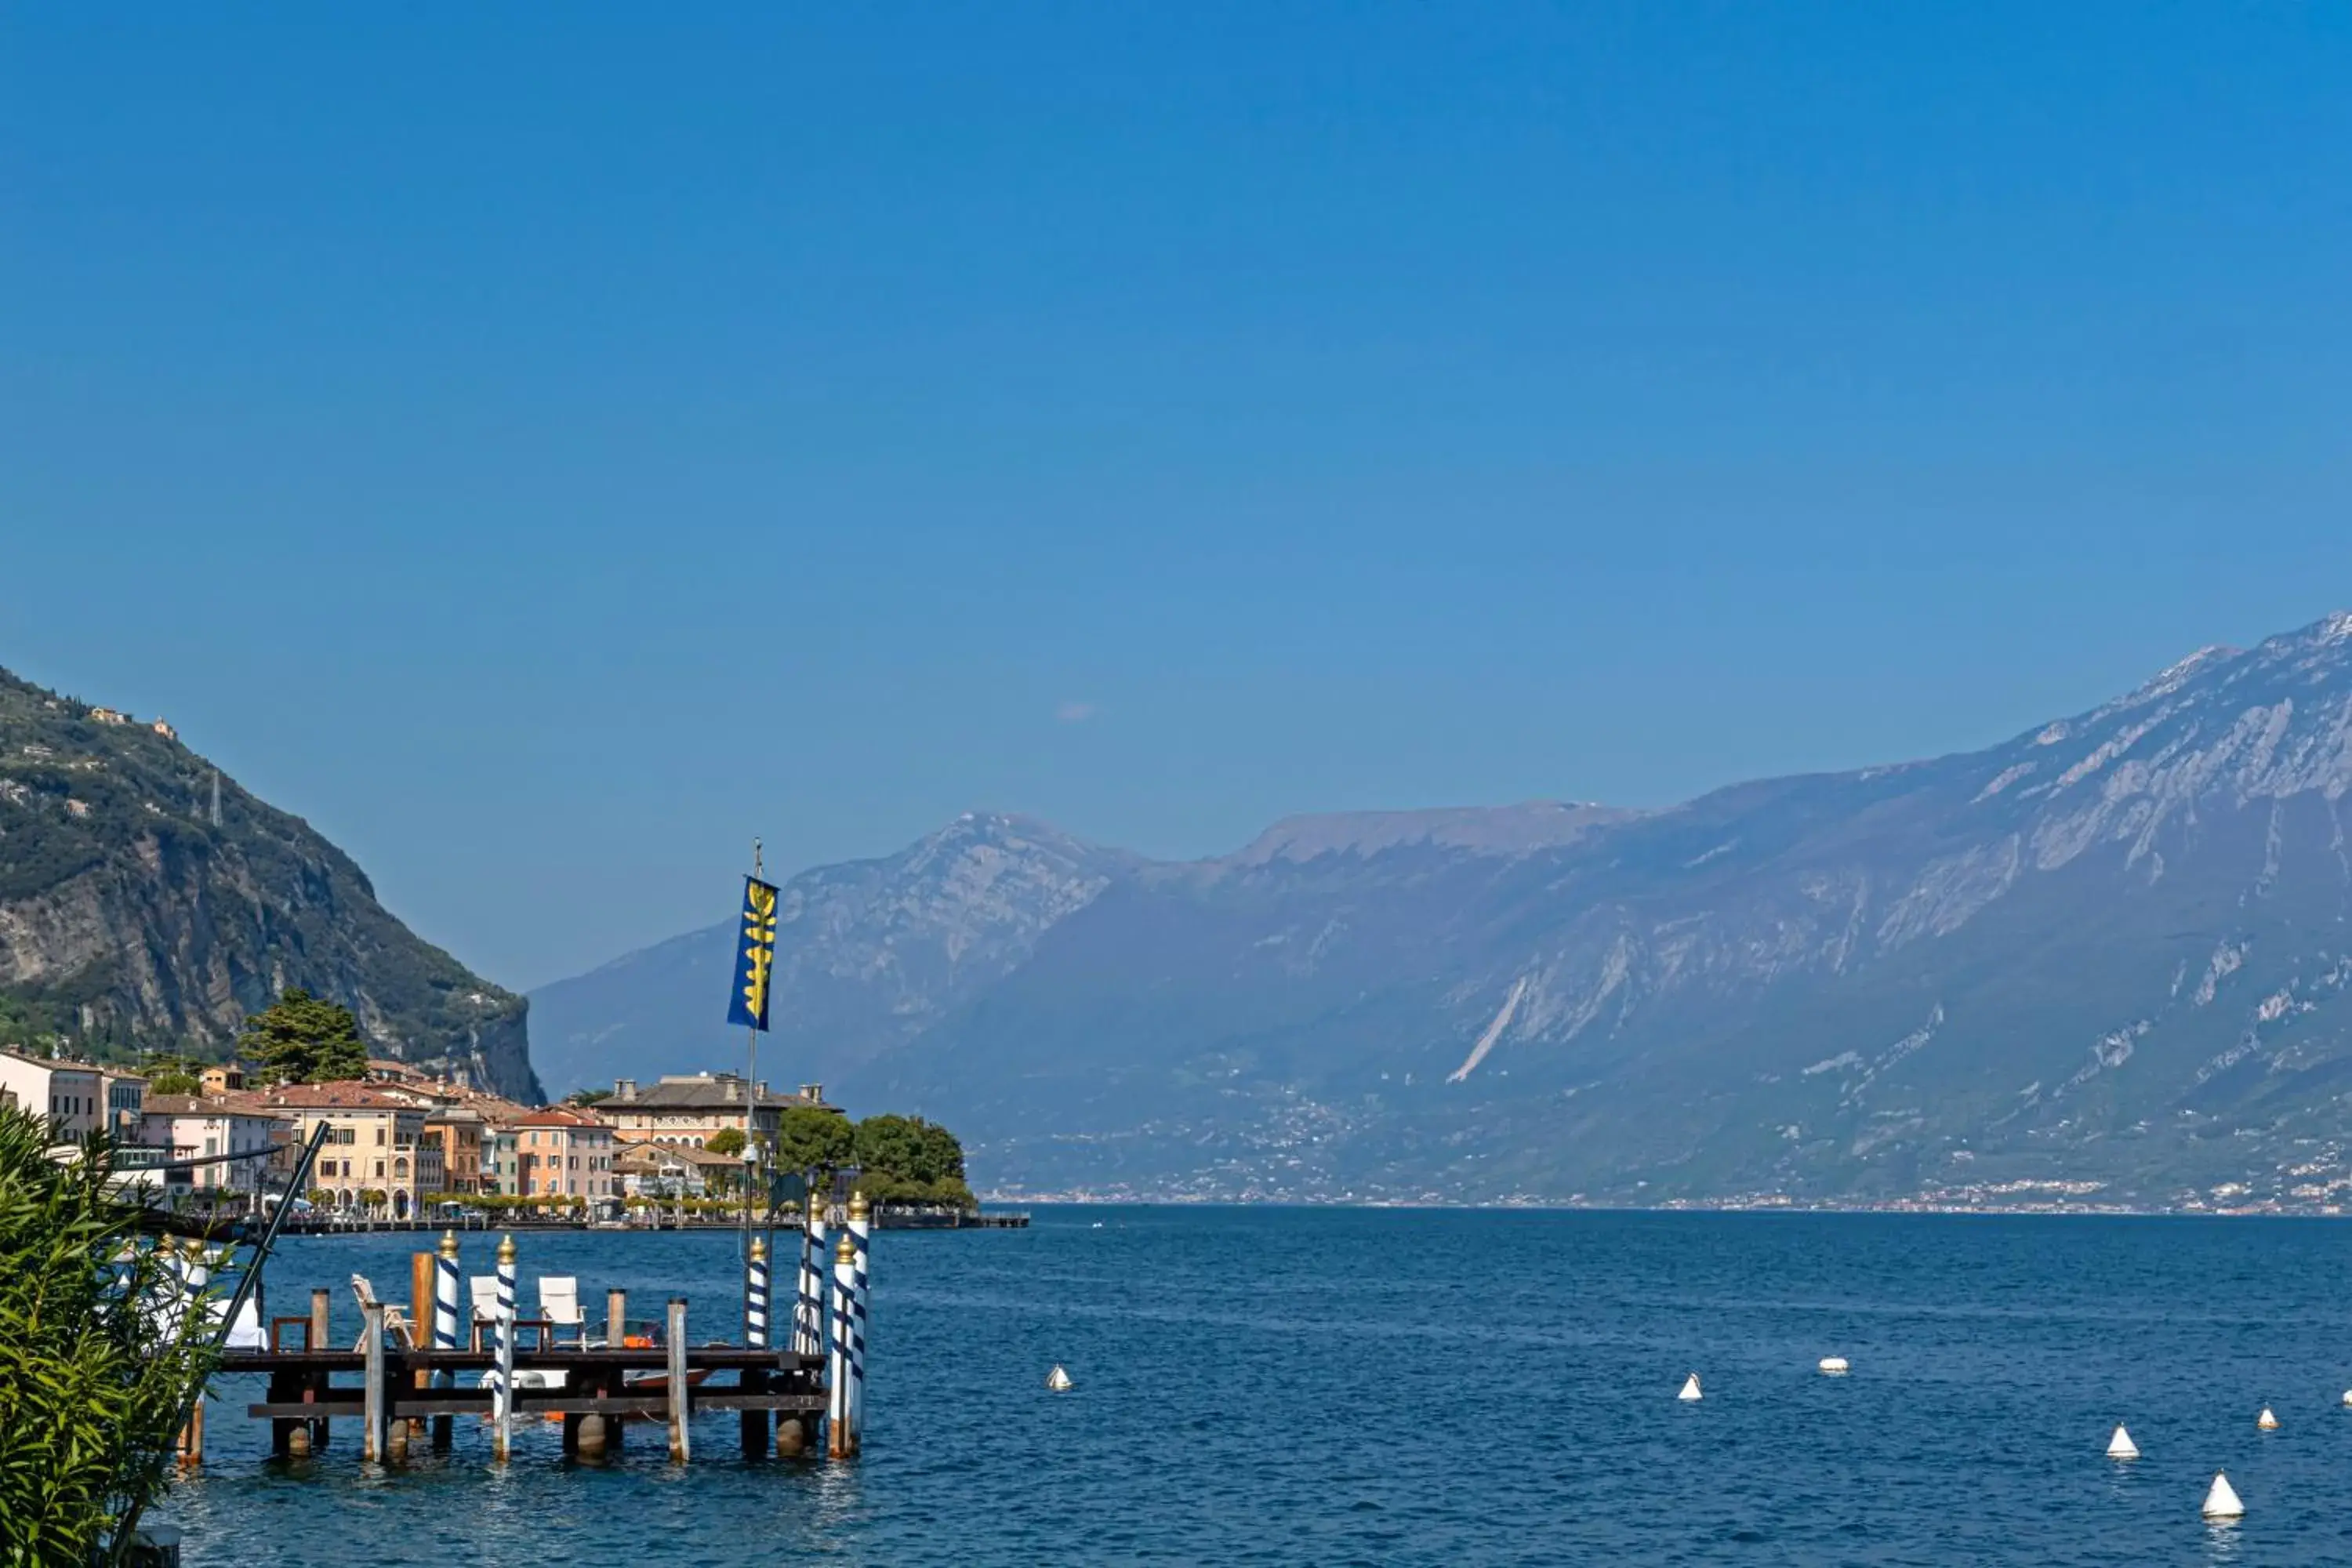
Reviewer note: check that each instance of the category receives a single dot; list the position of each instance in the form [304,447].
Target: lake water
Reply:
[1322,1386]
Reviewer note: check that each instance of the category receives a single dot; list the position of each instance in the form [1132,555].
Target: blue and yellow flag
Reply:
[757,957]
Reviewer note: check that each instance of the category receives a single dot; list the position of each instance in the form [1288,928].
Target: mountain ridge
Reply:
[2108,949]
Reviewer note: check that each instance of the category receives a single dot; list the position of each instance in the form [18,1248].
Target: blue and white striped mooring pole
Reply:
[502,1373]
[841,1421]
[860,1231]
[811,1331]
[445,1324]
[755,1295]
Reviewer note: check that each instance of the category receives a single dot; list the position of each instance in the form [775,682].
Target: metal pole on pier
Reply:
[680,1445]
[445,1324]
[751,1091]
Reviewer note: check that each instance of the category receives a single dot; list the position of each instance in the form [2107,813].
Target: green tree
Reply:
[302,1038]
[907,1159]
[175,1082]
[587,1096]
[92,1380]
[942,1157]
[811,1138]
[727,1140]
[911,1147]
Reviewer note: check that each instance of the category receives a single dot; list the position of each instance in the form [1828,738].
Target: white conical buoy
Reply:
[2120,1445]
[1835,1365]
[1057,1380]
[2266,1421]
[2222,1501]
[2347,1396]
[1690,1387]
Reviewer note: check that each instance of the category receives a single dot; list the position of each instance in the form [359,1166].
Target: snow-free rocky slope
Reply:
[2112,952]
[127,914]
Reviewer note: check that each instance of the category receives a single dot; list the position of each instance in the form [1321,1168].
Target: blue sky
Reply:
[546,447]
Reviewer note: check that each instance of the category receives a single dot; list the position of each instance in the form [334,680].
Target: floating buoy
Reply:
[2222,1501]
[2120,1445]
[1690,1388]
[1057,1380]
[2266,1421]
[2347,1396]
[1835,1365]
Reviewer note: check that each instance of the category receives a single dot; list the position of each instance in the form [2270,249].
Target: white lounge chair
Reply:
[396,1325]
[484,1288]
[559,1303]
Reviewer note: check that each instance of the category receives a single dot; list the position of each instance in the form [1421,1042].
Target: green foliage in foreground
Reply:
[90,1387]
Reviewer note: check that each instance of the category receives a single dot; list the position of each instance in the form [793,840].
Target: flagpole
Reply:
[751,1098]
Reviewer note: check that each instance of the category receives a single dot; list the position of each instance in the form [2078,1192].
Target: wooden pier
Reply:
[417,1373]
[771,1390]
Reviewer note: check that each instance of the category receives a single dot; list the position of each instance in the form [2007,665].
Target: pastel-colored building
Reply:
[376,1142]
[689,1109]
[72,1094]
[192,1128]
[561,1153]
[462,1132]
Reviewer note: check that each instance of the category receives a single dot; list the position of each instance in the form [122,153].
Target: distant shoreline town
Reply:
[400,1144]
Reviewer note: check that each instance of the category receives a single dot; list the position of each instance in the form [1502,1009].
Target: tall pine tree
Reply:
[302,1038]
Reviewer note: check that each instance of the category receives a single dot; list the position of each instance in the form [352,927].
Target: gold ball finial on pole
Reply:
[858,1211]
[760,1248]
[449,1243]
[845,1250]
[507,1248]
[815,1209]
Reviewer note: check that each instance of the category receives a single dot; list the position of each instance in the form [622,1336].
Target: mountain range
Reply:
[147,901]
[2107,960]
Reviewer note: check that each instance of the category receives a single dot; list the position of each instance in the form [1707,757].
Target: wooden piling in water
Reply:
[421,1272]
[319,1325]
[372,1436]
[192,1438]
[617,1318]
[680,1445]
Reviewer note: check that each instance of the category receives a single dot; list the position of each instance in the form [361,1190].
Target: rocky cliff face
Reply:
[126,913]
[868,955]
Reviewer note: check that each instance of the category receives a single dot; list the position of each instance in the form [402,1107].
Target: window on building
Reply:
[379,1167]
[379,1133]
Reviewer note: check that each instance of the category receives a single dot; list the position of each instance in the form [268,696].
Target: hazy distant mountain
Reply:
[128,913]
[2113,950]
[868,955]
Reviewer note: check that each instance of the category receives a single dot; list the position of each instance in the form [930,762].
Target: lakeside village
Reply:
[403,1146]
